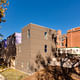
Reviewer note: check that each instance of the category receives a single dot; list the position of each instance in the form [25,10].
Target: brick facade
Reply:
[35,40]
[69,40]
[23,48]
[59,39]
[73,37]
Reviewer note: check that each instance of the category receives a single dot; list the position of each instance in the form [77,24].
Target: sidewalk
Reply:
[2,77]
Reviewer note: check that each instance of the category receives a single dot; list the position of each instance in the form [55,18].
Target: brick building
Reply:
[35,40]
[12,41]
[69,40]
[59,39]
[22,49]
[64,41]
[73,37]
[8,49]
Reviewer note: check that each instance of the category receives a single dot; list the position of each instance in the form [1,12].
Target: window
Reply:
[53,36]
[13,41]
[45,48]
[45,34]
[28,33]
[62,39]
[62,44]
[0,45]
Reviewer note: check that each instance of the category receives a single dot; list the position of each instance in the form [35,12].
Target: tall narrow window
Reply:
[28,33]
[45,48]
[45,35]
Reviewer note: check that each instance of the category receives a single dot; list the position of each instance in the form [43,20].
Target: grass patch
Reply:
[12,74]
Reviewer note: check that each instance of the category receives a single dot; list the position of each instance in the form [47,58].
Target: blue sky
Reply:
[56,14]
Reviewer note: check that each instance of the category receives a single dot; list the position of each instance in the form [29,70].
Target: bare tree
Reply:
[52,72]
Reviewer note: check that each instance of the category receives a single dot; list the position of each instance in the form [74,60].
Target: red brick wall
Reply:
[59,39]
[73,37]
